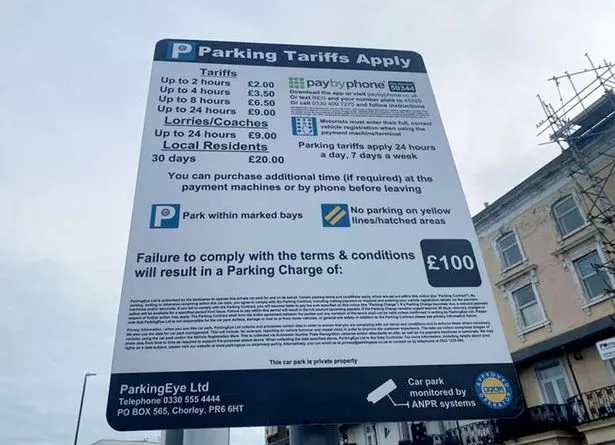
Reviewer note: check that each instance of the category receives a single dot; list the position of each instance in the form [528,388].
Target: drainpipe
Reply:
[576,382]
[459,432]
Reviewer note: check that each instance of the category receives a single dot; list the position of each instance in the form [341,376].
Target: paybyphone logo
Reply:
[164,216]
[181,50]
[300,83]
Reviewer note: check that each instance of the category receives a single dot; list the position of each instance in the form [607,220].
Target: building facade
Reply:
[548,246]
[276,435]
[545,244]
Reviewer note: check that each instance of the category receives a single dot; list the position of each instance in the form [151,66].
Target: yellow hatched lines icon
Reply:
[335,215]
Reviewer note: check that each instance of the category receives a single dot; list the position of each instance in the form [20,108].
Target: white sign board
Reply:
[301,250]
[606,348]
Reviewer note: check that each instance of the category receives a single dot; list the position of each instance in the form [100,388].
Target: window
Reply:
[593,279]
[526,301]
[510,253]
[271,430]
[567,215]
[553,383]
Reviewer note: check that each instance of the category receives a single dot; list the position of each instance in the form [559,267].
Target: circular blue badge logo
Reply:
[493,389]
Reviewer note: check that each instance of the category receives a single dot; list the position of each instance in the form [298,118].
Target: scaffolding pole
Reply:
[579,126]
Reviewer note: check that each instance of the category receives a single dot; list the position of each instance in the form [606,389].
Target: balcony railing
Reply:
[587,407]
[481,433]
[593,405]
[477,433]
[537,419]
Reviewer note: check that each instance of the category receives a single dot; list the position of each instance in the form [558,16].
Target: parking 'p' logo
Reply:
[181,50]
[164,216]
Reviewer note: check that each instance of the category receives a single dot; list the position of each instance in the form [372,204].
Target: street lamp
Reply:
[85,382]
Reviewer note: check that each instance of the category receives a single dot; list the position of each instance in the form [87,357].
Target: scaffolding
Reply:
[581,124]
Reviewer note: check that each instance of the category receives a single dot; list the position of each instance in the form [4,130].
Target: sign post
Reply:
[301,251]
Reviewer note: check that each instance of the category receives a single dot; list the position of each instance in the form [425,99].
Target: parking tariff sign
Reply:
[301,250]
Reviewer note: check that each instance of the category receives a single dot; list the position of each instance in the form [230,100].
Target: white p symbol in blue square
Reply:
[181,51]
[164,216]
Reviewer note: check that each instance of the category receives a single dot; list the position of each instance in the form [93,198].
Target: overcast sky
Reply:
[73,85]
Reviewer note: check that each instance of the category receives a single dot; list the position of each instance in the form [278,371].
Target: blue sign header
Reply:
[296,56]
